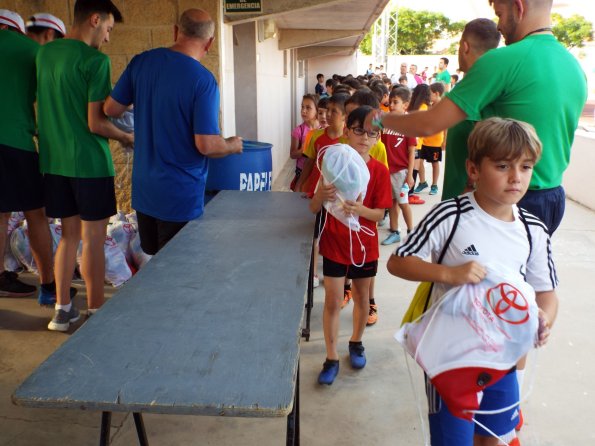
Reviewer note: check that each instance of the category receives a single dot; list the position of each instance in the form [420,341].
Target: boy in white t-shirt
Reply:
[485,227]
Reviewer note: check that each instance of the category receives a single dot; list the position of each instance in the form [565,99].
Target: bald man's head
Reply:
[196,24]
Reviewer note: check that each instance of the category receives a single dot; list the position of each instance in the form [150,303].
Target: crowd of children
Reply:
[501,174]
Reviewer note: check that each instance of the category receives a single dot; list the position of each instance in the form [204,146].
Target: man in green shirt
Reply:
[505,83]
[73,80]
[443,74]
[479,36]
[21,184]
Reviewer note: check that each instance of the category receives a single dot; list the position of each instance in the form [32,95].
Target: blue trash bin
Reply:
[251,170]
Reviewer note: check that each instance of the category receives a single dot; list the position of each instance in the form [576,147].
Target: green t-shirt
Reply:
[70,75]
[455,173]
[444,77]
[17,77]
[516,82]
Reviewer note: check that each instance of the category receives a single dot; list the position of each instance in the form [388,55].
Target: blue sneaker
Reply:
[330,370]
[420,187]
[357,356]
[47,294]
[393,237]
[434,189]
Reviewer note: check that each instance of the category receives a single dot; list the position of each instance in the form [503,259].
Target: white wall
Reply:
[579,176]
[226,86]
[274,101]
[329,65]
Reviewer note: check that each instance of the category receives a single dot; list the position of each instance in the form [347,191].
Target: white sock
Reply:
[64,307]
[92,310]
[520,377]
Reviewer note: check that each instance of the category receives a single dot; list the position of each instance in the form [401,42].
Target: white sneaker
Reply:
[316,282]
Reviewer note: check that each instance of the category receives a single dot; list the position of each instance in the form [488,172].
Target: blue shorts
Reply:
[448,430]
[547,204]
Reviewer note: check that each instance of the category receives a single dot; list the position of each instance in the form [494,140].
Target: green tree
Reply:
[417,31]
[573,31]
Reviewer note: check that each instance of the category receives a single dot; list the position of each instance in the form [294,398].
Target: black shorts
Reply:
[155,233]
[547,204]
[21,184]
[334,269]
[431,154]
[92,199]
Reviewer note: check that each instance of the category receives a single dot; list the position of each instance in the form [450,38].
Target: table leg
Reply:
[140,429]
[310,297]
[106,419]
[293,419]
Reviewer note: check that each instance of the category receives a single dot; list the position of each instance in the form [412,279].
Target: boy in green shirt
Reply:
[73,80]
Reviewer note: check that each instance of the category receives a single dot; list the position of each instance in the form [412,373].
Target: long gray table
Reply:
[210,326]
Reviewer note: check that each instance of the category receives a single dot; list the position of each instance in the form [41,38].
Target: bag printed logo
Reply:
[508,304]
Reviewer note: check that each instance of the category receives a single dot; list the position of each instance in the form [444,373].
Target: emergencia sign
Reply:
[242,6]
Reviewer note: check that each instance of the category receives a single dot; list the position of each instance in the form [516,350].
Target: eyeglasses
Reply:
[360,131]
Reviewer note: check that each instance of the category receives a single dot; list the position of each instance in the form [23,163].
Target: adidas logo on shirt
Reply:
[470,251]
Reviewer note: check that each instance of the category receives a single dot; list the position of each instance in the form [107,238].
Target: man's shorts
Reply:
[397,180]
[334,269]
[547,204]
[92,199]
[21,184]
[431,154]
[447,430]
[154,233]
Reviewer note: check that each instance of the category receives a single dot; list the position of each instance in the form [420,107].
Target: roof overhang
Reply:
[317,27]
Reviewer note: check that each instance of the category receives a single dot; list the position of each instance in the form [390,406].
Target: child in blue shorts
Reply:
[485,227]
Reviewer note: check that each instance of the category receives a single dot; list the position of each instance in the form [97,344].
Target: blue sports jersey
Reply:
[174,98]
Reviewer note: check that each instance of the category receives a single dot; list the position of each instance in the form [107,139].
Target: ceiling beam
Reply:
[296,38]
[272,9]
[319,51]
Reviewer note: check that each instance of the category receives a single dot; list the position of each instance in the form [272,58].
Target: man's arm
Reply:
[100,125]
[215,146]
[113,108]
[440,117]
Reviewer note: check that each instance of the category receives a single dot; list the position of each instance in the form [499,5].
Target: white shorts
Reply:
[397,180]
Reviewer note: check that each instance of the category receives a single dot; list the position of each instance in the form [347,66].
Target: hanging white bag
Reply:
[472,336]
[344,168]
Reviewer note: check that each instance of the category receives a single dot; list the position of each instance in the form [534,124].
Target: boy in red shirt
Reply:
[338,256]
[400,151]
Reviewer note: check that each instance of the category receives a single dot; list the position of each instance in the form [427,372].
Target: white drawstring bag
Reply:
[472,336]
[341,166]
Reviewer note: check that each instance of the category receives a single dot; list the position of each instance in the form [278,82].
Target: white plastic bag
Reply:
[11,263]
[472,336]
[21,249]
[122,233]
[139,257]
[344,168]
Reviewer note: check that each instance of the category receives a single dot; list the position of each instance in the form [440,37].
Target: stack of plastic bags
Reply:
[123,254]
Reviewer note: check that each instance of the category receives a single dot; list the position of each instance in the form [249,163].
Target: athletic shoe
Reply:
[393,237]
[383,222]
[330,370]
[521,421]
[372,315]
[11,286]
[346,298]
[420,187]
[515,442]
[47,297]
[414,199]
[434,189]
[316,282]
[357,356]
[62,319]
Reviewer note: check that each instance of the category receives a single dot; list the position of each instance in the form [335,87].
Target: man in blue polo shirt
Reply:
[176,107]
